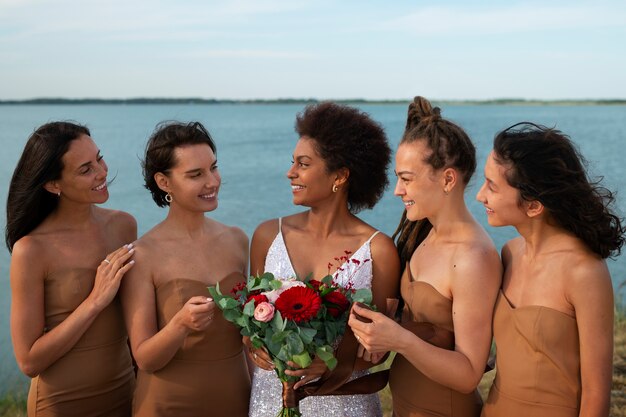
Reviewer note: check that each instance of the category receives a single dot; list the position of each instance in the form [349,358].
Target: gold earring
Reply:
[335,188]
[445,190]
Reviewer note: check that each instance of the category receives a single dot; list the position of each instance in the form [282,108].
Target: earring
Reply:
[445,191]
[59,194]
[335,188]
[168,197]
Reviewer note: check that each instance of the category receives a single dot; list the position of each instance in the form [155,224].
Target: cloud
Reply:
[515,19]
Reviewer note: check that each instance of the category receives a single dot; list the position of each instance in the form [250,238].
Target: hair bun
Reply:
[421,111]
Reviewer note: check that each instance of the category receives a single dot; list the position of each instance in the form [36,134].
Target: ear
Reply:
[342,175]
[533,208]
[52,187]
[162,181]
[449,178]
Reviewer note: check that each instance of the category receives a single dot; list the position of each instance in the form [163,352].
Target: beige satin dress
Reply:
[428,314]
[537,363]
[96,377]
[208,376]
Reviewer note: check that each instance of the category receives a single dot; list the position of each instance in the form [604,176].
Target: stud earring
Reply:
[168,197]
[335,188]
[59,194]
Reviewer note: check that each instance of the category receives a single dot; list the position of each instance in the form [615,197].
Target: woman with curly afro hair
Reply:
[339,168]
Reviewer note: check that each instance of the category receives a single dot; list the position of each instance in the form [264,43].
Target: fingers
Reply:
[367,356]
[359,351]
[119,256]
[261,359]
[304,381]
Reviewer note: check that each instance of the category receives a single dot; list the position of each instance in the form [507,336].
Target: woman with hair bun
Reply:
[66,320]
[189,357]
[450,281]
[553,322]
[339,167]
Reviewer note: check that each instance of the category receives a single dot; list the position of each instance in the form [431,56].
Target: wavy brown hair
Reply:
[545,166]
[450,147]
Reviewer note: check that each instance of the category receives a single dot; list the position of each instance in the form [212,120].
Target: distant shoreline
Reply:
[192,101]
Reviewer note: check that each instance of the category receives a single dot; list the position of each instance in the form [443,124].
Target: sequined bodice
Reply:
[357,270]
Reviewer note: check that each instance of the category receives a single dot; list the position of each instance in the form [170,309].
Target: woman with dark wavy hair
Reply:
[66,321]
[189,357]
[451,276]
[339,167]
[553,323]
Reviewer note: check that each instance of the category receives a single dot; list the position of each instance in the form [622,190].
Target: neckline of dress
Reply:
[293,270]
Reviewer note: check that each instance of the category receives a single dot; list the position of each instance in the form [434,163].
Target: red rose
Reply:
[258,298]
[336,303]
[298,304]
[315,284]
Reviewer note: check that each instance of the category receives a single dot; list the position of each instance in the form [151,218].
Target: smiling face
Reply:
[310,181]
[500,199]
[83,178]
[418,184]
[194,180]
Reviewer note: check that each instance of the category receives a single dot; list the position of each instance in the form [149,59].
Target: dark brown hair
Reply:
[450,147]
[159,156]
[545,166]
[28,203]
[348,138]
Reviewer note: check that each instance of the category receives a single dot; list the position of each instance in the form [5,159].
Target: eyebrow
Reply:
[194,170]
[88,162]
[405,173]
[297,158]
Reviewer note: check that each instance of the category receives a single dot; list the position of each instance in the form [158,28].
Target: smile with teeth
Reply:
[100,187]
[408,203]
[209,196]
[297,187]
[489,211]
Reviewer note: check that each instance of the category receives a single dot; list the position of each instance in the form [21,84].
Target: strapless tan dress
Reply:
[537,363]
[208,376]
[95,378]
[428,314]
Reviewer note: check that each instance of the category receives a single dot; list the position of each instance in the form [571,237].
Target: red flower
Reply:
[315,284]
[238,287]
[258,298]
[298,304]
[336,303]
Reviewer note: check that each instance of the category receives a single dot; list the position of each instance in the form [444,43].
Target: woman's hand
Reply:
[109,276]
[366,355]
[259,356]
[196,314]
[312,372]
[377,336]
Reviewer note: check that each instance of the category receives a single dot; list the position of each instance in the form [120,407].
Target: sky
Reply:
[255,49]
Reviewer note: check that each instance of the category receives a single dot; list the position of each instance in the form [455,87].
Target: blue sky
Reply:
[318,48]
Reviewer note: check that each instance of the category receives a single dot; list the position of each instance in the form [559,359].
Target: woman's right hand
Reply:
[259,356]
[109,275]
[196,315]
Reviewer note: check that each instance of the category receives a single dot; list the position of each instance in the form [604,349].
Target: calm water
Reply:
[255,143]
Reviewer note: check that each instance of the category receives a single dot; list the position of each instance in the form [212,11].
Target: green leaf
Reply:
[307,334]
[325,353]
[303,360]
[248,309]
[215,292]
[294,343]
[328,280]
[232,315]
[276,284]
[364,295]
[277,321]
[227,303]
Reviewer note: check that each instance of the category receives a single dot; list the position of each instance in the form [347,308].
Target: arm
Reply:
[475,282]
[590,291]
[153,348]
[35,349]
[385,284]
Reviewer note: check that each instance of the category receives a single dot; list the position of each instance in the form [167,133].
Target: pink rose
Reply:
[264,312]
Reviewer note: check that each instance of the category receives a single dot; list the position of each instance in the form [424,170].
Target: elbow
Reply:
[468,386]
[28,368]
[147,366]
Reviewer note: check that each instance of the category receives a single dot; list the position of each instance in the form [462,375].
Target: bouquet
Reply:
[293,320]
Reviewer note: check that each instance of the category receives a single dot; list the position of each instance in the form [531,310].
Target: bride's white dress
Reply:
[266,396]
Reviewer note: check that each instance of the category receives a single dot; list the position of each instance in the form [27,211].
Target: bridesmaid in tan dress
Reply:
[66,321]
[450,280]
[553,323]
[190,359]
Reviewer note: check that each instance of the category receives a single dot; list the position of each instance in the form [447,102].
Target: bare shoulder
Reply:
[266,231]
[119,222]
[29,247]
[382,247]
[588,278]
[228,234]
[510,248]
[476,262]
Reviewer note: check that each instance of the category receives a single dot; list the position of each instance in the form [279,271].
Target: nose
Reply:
[480,195]
[399,190]
[291,172]
[213,179]
[102,169]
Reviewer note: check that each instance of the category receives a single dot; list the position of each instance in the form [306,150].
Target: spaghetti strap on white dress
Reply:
[266,396]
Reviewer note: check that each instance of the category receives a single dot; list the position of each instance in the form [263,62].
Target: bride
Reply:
[339,167]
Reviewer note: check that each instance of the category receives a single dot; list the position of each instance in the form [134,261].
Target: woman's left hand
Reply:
[377,336]
[315,370]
